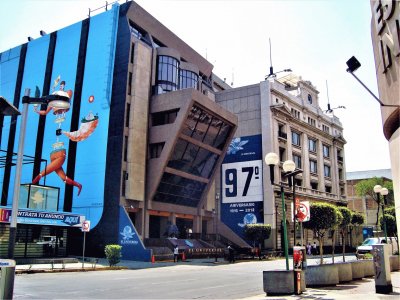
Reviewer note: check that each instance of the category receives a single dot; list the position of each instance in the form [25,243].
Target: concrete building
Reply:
[281,116]
[385,35]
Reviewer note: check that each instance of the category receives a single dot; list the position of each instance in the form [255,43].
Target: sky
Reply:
[314,38]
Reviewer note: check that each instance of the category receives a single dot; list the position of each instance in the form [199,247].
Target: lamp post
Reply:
[379,190]
[215,211]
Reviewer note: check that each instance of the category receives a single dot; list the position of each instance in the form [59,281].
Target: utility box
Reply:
[383,282]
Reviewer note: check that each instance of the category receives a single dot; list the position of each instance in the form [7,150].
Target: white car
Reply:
[366,246]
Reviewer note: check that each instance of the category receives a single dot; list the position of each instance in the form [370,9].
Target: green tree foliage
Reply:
[390,218]
[113,254]
[257,233]
[323,217]
[344,224]
[365,188]
[357,219]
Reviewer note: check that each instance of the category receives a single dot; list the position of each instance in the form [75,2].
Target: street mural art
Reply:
[60,105]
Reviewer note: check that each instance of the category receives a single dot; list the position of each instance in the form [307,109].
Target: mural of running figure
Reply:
[59,103]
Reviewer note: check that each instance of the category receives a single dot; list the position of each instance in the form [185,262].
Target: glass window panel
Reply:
[220,141]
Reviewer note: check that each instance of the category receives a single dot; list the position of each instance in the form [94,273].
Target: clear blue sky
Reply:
[314,38]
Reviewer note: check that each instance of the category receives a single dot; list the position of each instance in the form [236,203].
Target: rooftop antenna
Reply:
[271,68]
[330,110]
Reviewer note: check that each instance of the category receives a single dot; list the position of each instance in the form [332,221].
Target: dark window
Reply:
[326,150]
[298,182]
[327,171]
[296,138]
[132,52]
[167,74]
[128,112]
[282,154]
[314,185]
[123,183]
[187,79]
[297,161]
[179,190]
[125,148]
[328,189]
[130,84]
[193,159]
[312,145]
[309,97]
[164,117]
[313,166]
[155,149]
[281,131]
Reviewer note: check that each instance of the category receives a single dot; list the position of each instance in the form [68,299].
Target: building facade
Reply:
[137,146]
[385,35]
[281,116]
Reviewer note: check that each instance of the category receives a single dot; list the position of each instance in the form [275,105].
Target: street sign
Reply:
[86,226]
[302,211]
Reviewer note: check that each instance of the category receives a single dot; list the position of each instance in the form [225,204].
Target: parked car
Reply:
[366,246]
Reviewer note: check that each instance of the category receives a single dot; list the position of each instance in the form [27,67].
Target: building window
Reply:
[296,138]
[281,131]
[325,128]
[312,145]
[298,182]
[314,185]
[282,154]
[313,166]
[130,84]
[326,150]
[167,74]
[187,79]
[309,98]
[164,117]
[328,189]
[125,148]
[327,171]
[297,161]
[311,121]
[340,174]
[156,149]
[339,155]
[128,112]
[295,113]
[132,52]
[124,178]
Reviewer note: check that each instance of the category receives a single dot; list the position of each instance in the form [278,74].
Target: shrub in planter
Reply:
[113,254]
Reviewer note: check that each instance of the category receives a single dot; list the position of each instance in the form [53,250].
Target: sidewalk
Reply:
[358,289]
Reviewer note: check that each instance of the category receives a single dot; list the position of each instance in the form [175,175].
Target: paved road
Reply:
[187,280]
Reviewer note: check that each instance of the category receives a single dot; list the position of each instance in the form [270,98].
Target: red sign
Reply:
[86,226]
[5,215]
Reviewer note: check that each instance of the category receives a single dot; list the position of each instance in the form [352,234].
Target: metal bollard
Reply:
[7,279]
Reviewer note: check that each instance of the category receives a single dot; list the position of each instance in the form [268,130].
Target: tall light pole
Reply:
[379,190]
[216,224]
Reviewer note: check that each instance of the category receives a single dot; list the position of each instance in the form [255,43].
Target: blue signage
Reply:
[37,217]
[242,184]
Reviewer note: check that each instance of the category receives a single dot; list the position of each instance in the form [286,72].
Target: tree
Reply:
[357,219]
[365,188]
[390,219]
[346,221]
[335,226]
[323,217]
[257,233]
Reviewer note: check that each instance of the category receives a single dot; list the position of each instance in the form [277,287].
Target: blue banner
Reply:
[242,184]
[132,245]
[36,217]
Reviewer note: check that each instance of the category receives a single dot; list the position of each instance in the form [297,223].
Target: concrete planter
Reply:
[322,275]
[369,269]
[394,263]
[281,282]
[357,268]
[345,272]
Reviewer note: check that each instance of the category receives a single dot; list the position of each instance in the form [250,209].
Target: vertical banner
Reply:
[242,184]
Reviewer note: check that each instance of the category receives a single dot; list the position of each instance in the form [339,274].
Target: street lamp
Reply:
[379,190]
[272,159]
[215,212]
[352,65]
